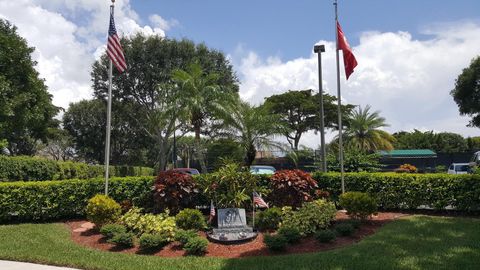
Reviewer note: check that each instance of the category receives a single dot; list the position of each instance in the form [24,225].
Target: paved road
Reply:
[9,265]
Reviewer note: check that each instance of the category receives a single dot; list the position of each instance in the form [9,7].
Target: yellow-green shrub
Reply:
[312,216]
[102,209]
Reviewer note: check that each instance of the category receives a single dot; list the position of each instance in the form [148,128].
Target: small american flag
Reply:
[114,48]
[212,210]
[258,200]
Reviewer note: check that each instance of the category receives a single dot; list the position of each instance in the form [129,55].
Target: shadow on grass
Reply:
[415,243]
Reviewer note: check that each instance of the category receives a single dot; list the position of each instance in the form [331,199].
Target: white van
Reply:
[459,168]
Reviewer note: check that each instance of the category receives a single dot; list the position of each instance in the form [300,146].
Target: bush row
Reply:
[409,191]
[47,200]
[40,169]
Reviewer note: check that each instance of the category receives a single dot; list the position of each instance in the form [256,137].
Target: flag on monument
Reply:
[114,48]
[349,60]
[258,200]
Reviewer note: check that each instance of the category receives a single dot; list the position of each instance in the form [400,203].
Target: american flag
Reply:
[258,200]
[114,48]
[212,210]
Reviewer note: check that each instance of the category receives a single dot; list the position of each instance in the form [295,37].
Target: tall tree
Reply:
[300,111]
[467,92]
[148,89]
[254,128]
[443,142]
[201,96]
[26,109]
[364,132]
[85,122]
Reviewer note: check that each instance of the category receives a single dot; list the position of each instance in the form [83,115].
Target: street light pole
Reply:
[319,49]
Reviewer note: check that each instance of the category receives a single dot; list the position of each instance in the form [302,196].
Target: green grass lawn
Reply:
[420,242]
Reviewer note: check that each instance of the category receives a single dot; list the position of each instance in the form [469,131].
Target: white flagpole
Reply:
[109,112]
[339,97]
[253,217]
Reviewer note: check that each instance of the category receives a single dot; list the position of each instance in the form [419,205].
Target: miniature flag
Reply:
[212,211]
[258,200]
[349,60]
[114,49]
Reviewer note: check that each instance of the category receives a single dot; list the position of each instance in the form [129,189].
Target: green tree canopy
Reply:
[467,92]
[364,133]
[443,142]
[253,128]
[147,91]
[26,109]
[300,111]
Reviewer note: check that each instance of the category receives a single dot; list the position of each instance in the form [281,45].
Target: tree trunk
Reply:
[250,155]
[199,150]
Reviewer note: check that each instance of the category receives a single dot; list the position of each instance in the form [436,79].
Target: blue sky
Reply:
[409,52]
[290,28]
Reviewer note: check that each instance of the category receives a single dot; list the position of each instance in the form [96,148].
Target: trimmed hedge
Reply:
[47,200]
[409,191]
[39,169]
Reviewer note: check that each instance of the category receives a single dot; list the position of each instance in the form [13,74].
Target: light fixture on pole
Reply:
[318,49]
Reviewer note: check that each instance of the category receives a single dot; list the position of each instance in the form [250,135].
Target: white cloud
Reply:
[408,80]
[68,35]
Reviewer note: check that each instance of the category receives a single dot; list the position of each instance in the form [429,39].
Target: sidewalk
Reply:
[9,265]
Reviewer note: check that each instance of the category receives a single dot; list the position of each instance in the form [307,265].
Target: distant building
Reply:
[423,159]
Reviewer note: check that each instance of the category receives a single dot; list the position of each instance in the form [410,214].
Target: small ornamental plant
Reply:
[190,219]
[269,219]
[109,230]
[275,242]
[406,168]
[149,242]
[344,229]
[359,205]
[174,191]
[102,209]
[196,246]
[292,188]
[325,236]
[125,240]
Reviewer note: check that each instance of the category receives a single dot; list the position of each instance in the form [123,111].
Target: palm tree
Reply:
[363,132]
[254,128]
[200,97]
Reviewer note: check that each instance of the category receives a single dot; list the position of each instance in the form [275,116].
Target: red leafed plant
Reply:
[173,191]
[292,188]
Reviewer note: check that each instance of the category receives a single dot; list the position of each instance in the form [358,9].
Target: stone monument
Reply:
[232,227]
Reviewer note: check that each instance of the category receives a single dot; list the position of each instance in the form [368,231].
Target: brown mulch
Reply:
[83,234]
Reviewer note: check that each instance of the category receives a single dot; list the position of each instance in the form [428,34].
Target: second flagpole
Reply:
[339,97]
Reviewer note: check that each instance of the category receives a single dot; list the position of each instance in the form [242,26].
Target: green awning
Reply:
[411,153]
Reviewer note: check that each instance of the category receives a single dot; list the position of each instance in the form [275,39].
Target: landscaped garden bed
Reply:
[83,233]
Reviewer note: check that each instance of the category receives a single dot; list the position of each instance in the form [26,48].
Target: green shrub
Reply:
[53,200]
[152,241]
[344,229]
[312,216]
[102,209]
[183,236]
[122,239]
[21,168]
[190,219]
[325,236]
[268,219]
[354,222]
[109,230]
[291,234]
[196,245]
[26,168]
[160,224]
[276,242]
[409,191]
[174,190]
[291,188]
[230,186]
[359,205]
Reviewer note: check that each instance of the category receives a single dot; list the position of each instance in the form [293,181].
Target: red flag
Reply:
[349,60]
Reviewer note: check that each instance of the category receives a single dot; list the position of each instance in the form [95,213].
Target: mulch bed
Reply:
[83,233]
